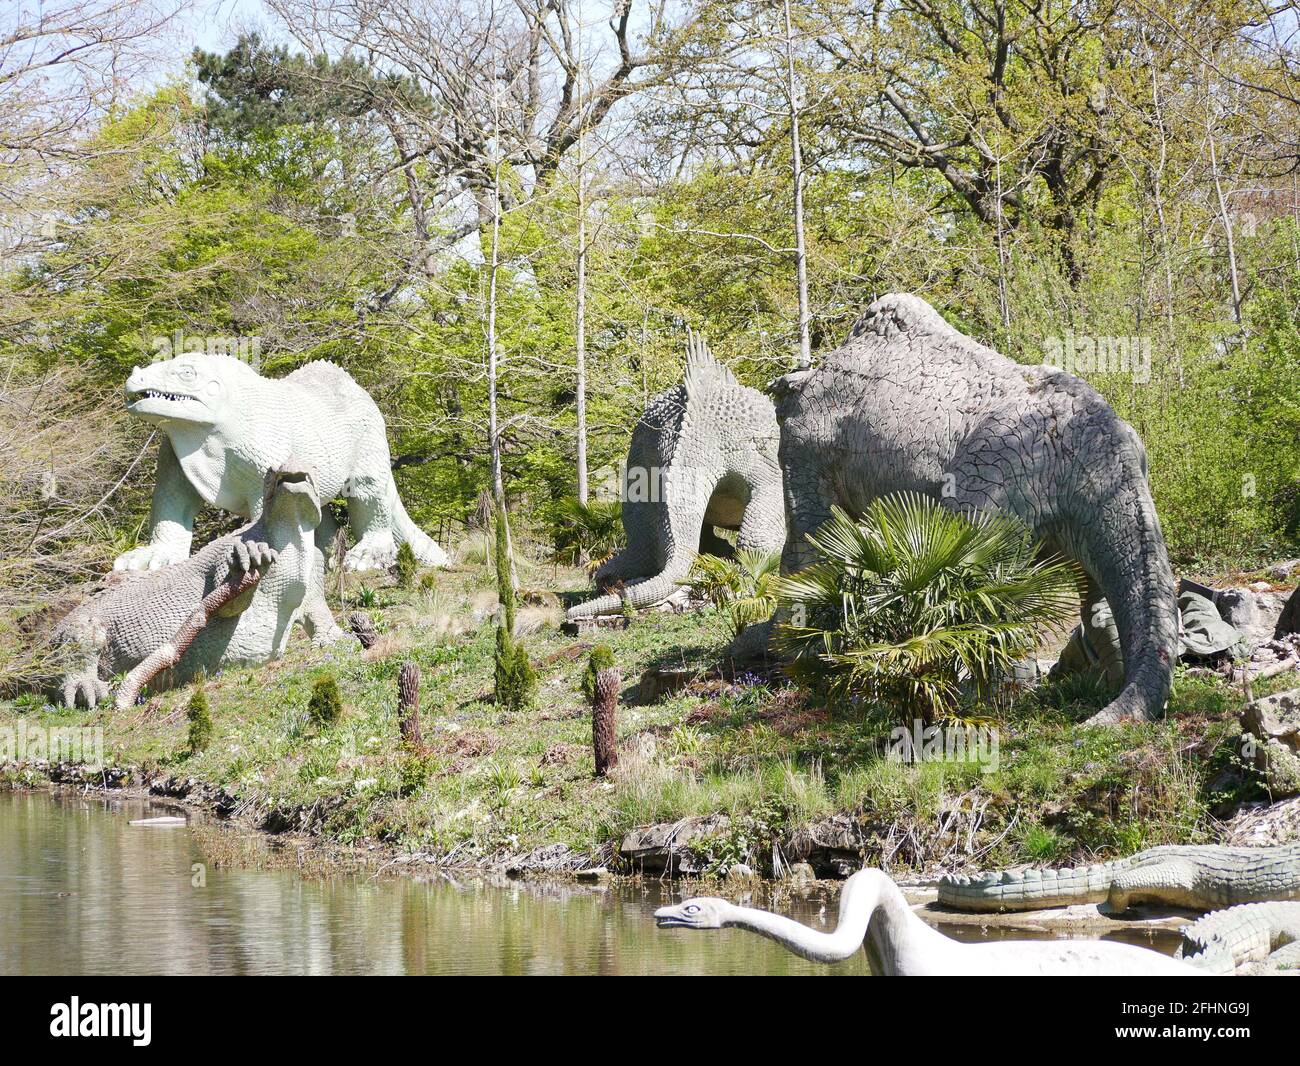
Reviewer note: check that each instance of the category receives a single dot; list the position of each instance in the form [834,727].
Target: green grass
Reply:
[772,758]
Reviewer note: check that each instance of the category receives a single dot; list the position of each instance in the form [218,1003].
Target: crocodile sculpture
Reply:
[225,426]
[1251,938]
[703,455]
[116,629]
[1196,877]
[908,403]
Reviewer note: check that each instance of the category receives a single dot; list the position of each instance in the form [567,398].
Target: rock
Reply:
[1264,824]
[1289,620]
[577,626]
[658,682]
[1237,607]
[831,846]
[596,873]
[800,873]
[1284,570]
[1274,724]
[662,848]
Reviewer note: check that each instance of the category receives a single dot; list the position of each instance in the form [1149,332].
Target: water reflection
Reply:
[81,891]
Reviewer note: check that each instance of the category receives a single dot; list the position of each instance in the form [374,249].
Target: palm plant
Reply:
[586,531]
[743,586]
[918,608]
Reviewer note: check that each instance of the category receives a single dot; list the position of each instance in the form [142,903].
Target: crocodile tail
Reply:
[1027,890]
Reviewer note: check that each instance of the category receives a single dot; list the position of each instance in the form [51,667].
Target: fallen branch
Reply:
[169,654]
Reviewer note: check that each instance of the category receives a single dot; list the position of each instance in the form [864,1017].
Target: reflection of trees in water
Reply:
[86,893]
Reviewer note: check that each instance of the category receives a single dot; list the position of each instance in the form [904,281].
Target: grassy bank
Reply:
[491,786]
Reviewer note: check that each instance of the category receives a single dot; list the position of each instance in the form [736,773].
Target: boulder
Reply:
[660,681]
[1273,724]
[1289,620]
[663,848]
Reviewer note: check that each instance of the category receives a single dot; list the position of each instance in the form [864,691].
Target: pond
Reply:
[84,892]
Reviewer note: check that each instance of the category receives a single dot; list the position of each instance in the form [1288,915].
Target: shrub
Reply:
[407,565]
[199,717]
[515,677]
[325,705]
[918,608]
[586,531]
[744,587]
[601,658]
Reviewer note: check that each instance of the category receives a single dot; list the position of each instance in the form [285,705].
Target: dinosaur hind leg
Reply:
[381,523]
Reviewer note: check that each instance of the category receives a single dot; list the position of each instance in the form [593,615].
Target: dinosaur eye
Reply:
[691,908]
[185,372]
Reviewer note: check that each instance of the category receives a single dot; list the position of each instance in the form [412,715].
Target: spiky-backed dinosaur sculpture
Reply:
[910,404]
[1254,936]
[116,629]
[1197,877]
[225,426]
[702,455]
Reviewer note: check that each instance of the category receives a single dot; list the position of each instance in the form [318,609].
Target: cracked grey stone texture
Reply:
[1199,877]
[116,629]
[1273,723]
[1253,938]
[909,403]
[226,426]
[706,452]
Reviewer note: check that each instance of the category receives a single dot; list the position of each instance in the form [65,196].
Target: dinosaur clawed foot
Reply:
[374,551]
[87,689]
[249,555]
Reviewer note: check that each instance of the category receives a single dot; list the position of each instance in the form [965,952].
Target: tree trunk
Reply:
[604,704]
[408,704]
[796,163]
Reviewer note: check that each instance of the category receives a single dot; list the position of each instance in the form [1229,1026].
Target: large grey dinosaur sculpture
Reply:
[115,630]
[875,915]
[909,403]
[702,455]
[225,426]
[1197,877]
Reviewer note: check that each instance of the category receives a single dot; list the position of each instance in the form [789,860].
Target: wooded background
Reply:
[502,217]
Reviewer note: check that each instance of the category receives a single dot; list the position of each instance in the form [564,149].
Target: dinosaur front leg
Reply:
[1171,883]
[171,517]
[317,618]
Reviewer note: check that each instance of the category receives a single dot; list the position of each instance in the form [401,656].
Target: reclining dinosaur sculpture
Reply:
[702,455]
[1199,877]
[225,426]
[909,403]
[875,915]
[120,627]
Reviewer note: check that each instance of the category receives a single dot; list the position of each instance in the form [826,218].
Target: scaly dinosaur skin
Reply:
[1198,877]
[909,403]
[116,629]
[226,426]
[703,455]
[1262,936]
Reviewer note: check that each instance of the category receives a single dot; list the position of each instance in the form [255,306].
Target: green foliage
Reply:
[325,707]
[514,675]
[744,586]
[407,565]
[199,717]
[589,532]
[601,658]
[919,609]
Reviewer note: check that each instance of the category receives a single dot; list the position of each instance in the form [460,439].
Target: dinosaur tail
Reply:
[679,522]
[1026,890]
[1122,547]
[405,531]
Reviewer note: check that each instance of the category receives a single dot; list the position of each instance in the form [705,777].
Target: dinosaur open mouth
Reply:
[159,394]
